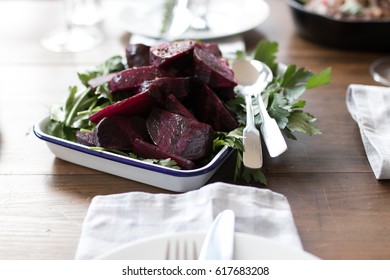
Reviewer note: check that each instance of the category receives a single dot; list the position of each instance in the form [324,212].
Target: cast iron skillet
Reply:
[371,35]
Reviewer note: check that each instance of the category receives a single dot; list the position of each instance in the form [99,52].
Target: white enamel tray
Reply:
[148,173]
[225,18]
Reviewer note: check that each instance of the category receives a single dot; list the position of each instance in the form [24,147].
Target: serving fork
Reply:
[217,245]
[253,77]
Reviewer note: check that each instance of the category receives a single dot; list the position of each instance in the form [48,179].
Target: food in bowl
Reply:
[162,104]
[351,9]
[341,32]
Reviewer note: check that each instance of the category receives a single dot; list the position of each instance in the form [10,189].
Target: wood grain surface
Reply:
[340,209]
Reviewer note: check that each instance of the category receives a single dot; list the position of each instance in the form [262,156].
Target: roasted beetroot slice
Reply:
[95,82]
[139,104]
[108,134]
[213,48]
[211,69]
[208,108]
[146,150]
[225,93]
[137,55]
[173,105]
[85,138]
[180,135]
[133,77]
[133,126]
[172,52]
[179,86]
[123,94]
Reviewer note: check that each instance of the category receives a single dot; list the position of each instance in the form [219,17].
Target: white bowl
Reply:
[133,169]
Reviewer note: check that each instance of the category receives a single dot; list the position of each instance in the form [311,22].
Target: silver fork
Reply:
[181,249]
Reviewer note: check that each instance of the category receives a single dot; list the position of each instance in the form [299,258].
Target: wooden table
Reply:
[340,209]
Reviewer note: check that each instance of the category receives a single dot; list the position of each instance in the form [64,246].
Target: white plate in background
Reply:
[225,18]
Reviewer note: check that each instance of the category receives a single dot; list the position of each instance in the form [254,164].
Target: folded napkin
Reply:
[117,219]
[370,108]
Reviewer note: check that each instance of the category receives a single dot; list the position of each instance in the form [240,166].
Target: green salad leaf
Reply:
[266,52]
[321,79]
[73,114]
[113,64]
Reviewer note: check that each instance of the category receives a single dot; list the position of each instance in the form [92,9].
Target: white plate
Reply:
[148,173]
[247,247]
[226,18]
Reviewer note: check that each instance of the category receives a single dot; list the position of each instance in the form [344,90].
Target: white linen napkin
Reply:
[370,108]
[117,219]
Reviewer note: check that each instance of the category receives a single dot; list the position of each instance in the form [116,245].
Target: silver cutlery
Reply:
[252,154]
[269,128]
[257,76]
[219,241]
[180,22]
[181,249]
[217,245]
[187,14]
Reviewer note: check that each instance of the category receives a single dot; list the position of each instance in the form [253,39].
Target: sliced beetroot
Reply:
[133,77]
[178,91]
[137,55]
[119,132]
[180,135]
[168,52]
[208,108]
[95,82]
[133,126]
[211,69]
[213,48]
[174,57]
[147,150]
[178,86]
[126,93]
[108,134]
[173,105]
[152,88]
[139,104]
[85,138]
[225,93]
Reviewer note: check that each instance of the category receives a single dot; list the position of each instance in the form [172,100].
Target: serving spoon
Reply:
[252,155]
[255,76]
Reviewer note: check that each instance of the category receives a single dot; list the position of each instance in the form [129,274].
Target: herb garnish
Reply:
[282,99]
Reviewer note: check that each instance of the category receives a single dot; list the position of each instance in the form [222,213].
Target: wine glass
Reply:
[81,30]
[380,70]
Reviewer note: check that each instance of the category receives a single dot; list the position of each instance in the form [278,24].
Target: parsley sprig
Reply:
[283,95]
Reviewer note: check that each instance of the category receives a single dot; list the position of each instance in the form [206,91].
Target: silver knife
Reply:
[219,241]
[180,20]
